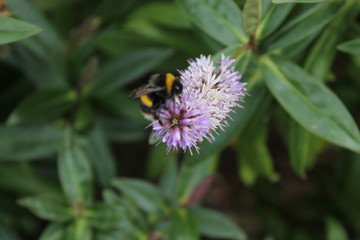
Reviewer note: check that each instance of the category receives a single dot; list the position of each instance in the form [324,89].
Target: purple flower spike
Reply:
[209,94]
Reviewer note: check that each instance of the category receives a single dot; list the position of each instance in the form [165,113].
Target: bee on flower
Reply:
[209,93]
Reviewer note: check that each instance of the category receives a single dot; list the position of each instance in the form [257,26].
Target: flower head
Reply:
[209,93]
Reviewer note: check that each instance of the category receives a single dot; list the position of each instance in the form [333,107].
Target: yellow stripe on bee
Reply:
[169,82]
[146,100]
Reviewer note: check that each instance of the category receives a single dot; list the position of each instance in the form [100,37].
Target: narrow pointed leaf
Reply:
[43,104]
[79,229]
[183,226]
[251,16]
[126,68]
[157,160]
[321,56]
[221,19]
[273,18]
[303,148]
[239,52]
[351,47]
[215,225]
[13,30]
[45,45]
[28,142]
[168,180]
[49,208]
[308,20]
[123,129]
[27,178]
[191,176]
[106,216]
[254,156]
[41,53]
[54,231]
[75,171]
[51,76]
[310,103]
[143,194]
[97,148]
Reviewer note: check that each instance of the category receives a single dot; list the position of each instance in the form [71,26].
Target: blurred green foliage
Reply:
[75,162]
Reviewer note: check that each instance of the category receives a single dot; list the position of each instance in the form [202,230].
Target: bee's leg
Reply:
[158,119]
[163,106]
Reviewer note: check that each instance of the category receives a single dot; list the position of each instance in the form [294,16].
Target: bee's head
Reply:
[177,87]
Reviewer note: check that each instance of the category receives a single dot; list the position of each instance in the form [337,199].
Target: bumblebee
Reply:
[153,95]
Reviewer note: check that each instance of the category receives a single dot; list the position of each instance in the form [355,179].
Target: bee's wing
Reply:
[137,92]
[146,89]
[154,79]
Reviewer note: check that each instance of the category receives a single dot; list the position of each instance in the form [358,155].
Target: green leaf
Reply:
[47,44]
[54,231]
[116,42]
[43,104]
[272,19]
[157,160]
[125,69]
[13,30]
[29,142]
[167,14]
[303,148]
[51,75]
[307,20]
[240,53]
[335,230]
[106,216]
[322,54]
[168,181]
[297,49]
[254,157]
[221,19]
[97,148]
[75,171]
[42,53]
[351,47]
[297,1]
[113,235]
[215,225]
[25,178]
[48,207]
[143,194]
[123,129]
[133,221]
[182,40]
[251,166]
[79,229]
[193,173]
[84,117]
[183,226]
[251,16]
[128,108]
[310,103]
